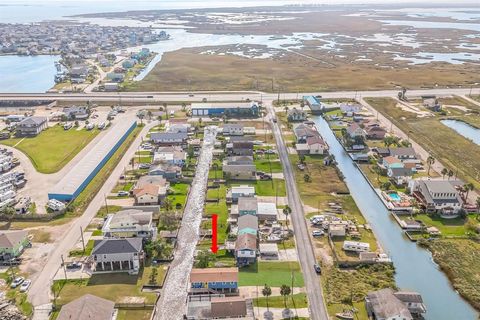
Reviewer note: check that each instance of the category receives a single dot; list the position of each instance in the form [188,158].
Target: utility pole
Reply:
[64,268]
[83,240]
[106,204]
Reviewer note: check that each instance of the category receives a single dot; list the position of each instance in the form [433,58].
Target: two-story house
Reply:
[214,280]
[437,196]
[129,223]
[31,126]
[114,255]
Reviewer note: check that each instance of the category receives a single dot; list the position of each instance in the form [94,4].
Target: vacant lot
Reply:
[298,300]
[273,274]
[51,150]
[446,145]
[458,259]
[187,70]
[114,287]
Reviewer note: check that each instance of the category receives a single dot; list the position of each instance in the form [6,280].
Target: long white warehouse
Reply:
[85,170]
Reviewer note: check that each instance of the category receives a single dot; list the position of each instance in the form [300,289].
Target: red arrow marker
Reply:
[214,246]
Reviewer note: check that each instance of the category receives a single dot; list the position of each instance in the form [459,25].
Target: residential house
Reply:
[31,126]
[169,138]
[413,301]
[215,306]
[240,191]
[149,194]
[387,304]
[437,196]
[168,171]
[129,223]
[303,131]
[337,230]
[392,162]
[267,211]
[246,249]
[113,255]
[233,129]
[247,224]
[247,205]
[173,155]
[88,307]
[238,109]
[354,130]
[239,172]
[375,132]
[12,244]
[382,152]
[399,176]
[350,109]
[241,148]
[296,115]
[76,112]
[316,145]
[115,76]
[129,63]
[403,153]
[238,160]
[214,280]
[178,127]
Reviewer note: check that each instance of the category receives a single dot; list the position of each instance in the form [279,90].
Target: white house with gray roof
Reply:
[438,196]
[31,126]
[129,223]
[117,255]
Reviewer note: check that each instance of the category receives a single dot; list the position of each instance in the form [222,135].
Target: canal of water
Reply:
[171,305]
[415,269]
[464,129]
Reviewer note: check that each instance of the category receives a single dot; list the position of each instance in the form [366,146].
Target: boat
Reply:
[345,315]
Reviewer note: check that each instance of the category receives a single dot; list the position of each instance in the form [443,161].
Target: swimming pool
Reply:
[394,196]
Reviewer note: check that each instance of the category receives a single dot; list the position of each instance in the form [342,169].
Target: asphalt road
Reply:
[225,96]
[304,245]
[39,292]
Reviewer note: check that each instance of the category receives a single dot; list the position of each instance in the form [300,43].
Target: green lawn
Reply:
[298,300]
[114,287]
[80,253]
[52,149]
[161,274]
[448,227]
[141,314]
[269,188]
[265,165]
[179,193]
[220,209]
[274,274]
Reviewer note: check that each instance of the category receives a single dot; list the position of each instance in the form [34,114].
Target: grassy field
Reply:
[265,165]
[114,287]
[273,274]
[187,70]
[52,149]
[127,314]
[450,148]
[179,195]
[345,286]
[458,259]
[219,208]
[274,187]
[298,300]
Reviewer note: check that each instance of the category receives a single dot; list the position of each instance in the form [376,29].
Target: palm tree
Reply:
[450,174]
[306,177]
[478,205]
[266,292]
[444,172]
[285,291]
[286,109]
[467,188]
[430,161]
[286,211]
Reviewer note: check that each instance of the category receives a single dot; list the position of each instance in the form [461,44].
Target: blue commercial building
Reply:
[239,109]
[314,103]
[73,183]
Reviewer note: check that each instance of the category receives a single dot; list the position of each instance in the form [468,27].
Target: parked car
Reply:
[144,166]
[265,177]
[25,285]
[317,233]
[122,194]
[317,268]
[74,265]
[16,282]
[270,151]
